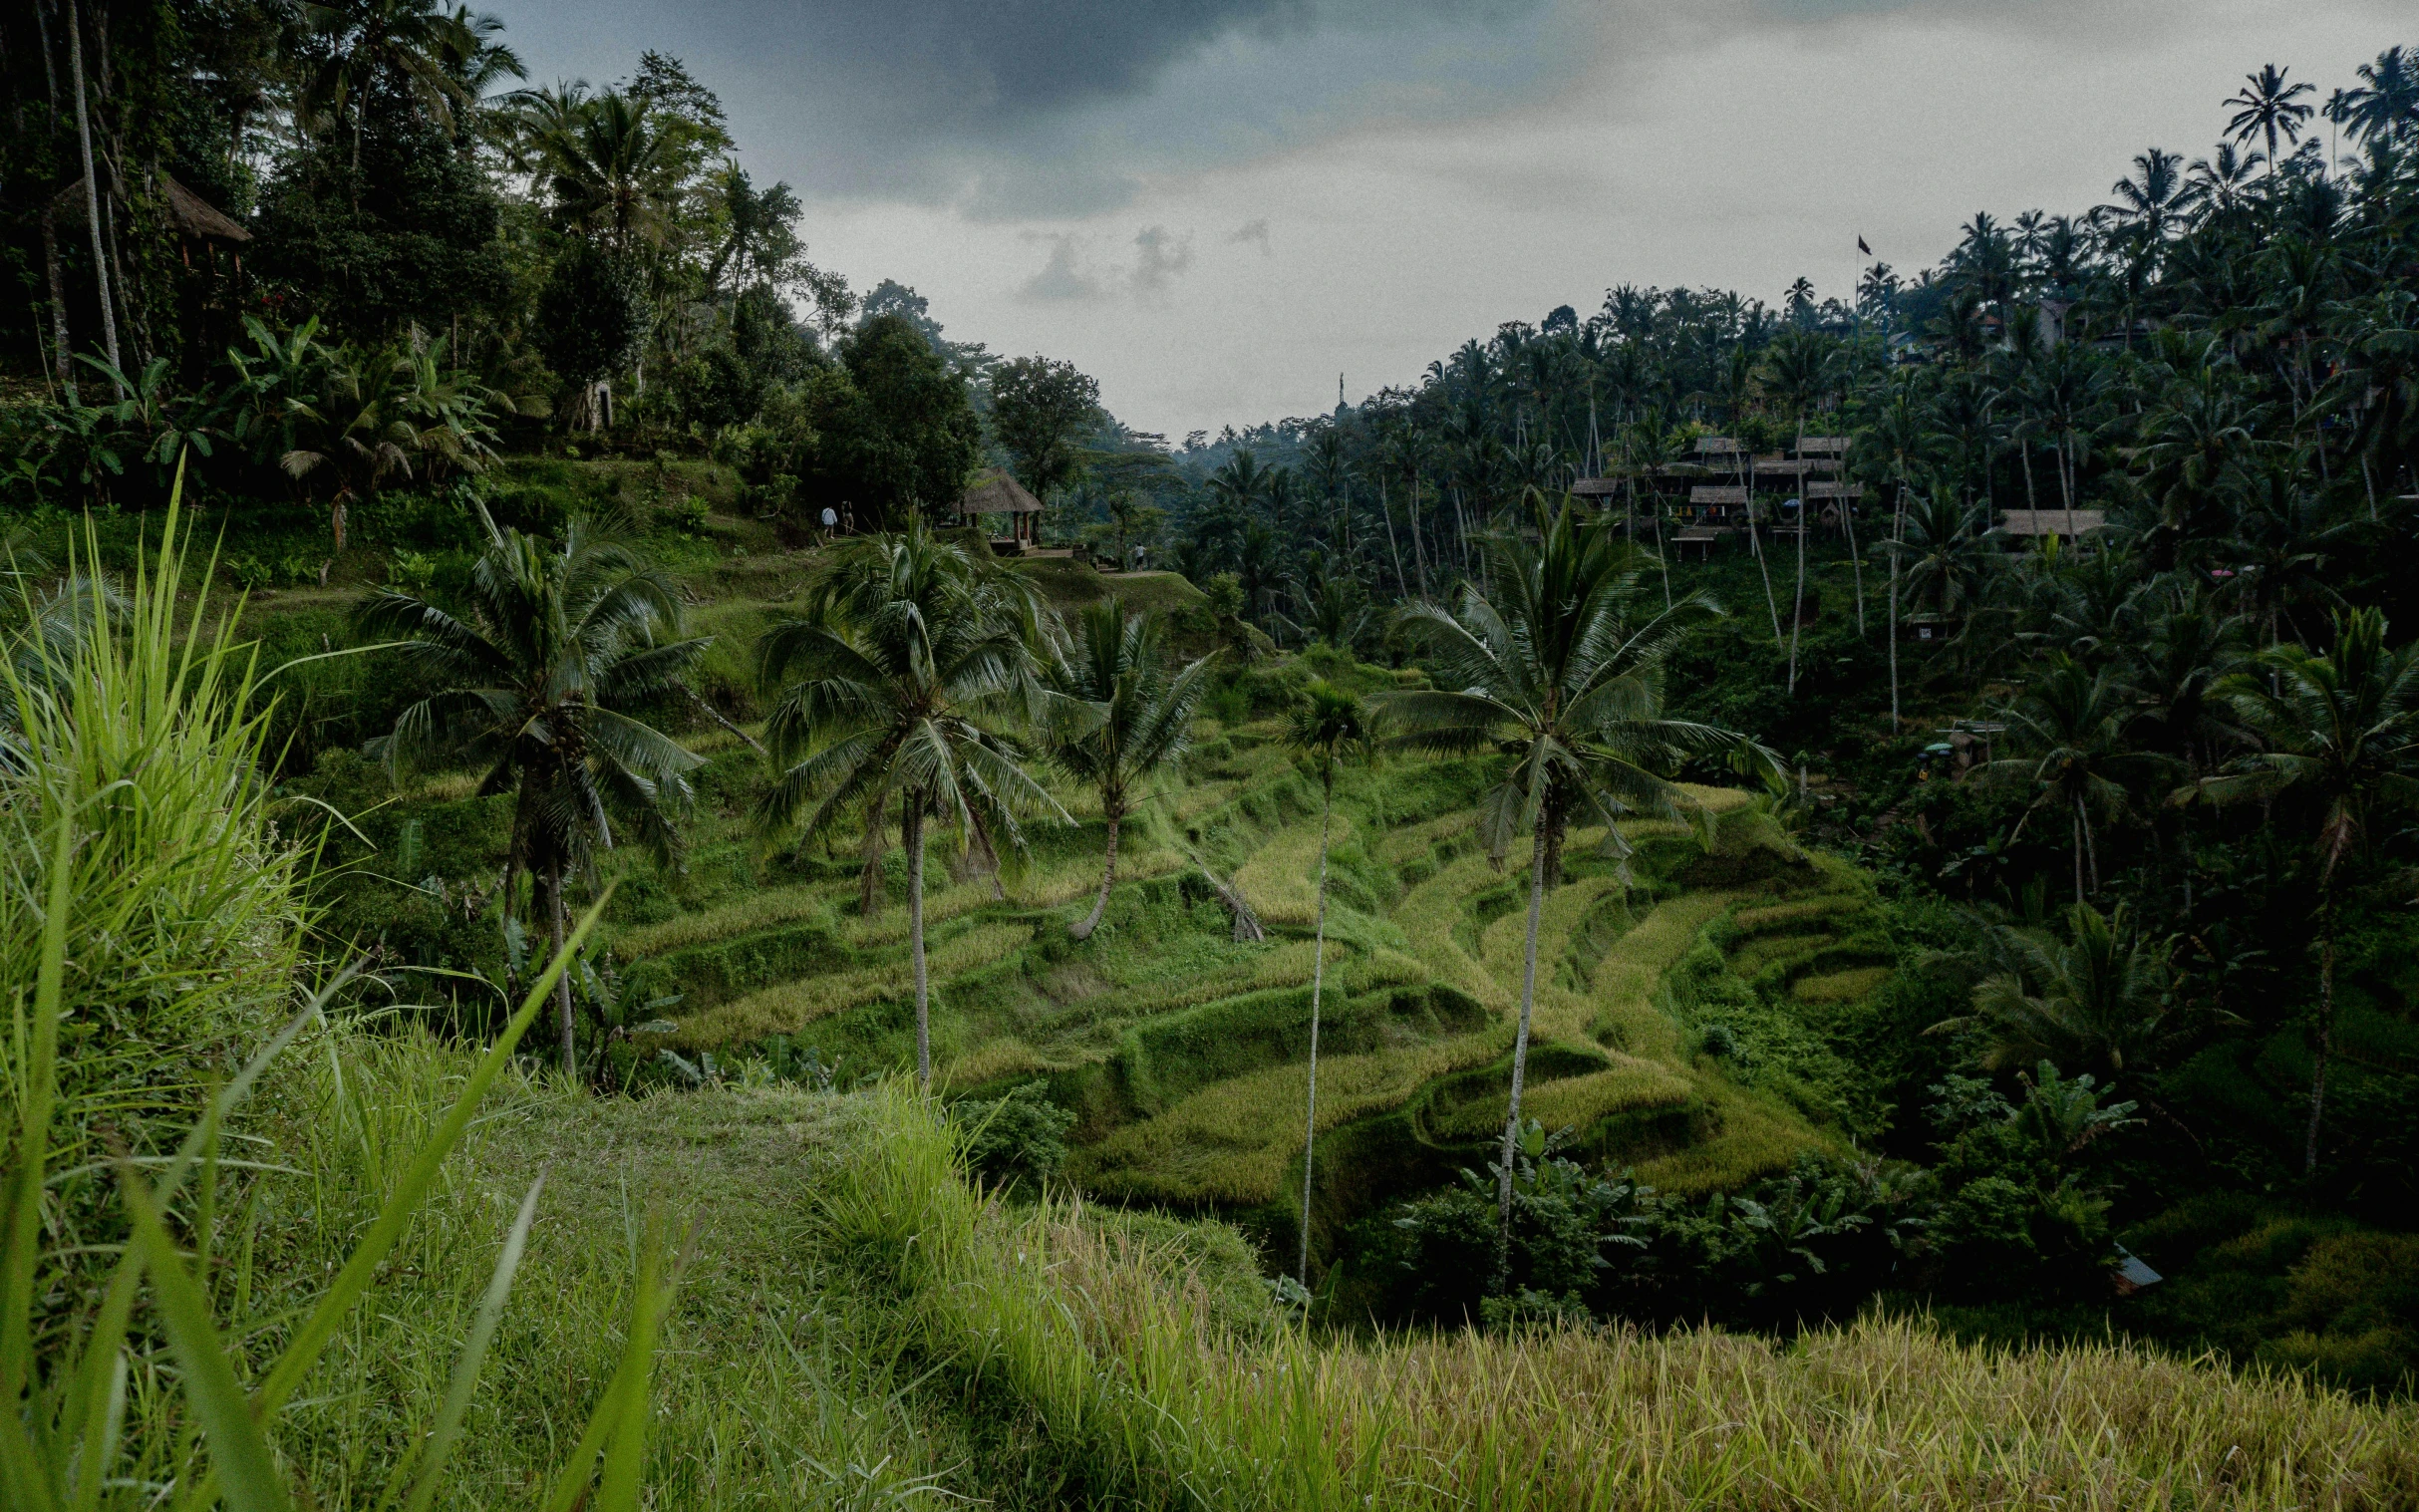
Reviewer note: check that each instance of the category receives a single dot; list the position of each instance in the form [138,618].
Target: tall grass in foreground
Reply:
[134,839]
[1154,1399]
[144,732]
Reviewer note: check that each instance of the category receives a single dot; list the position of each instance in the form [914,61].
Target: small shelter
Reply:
[997,493]
[2025,524]
[196,218]
[1595,488]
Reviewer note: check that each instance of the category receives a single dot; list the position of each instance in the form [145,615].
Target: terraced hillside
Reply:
[1680,1021]
[1677,1024]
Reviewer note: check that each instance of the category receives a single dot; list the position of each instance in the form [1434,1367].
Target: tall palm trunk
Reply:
[1115,810]
[562,983]
[1898,532]
[1520,1064]
[1393,547]
[1797,604]
[2327,1040]
[1856,560]
[62,346]
[91,185]
[1309,1123]
[2078,853]
[915,937]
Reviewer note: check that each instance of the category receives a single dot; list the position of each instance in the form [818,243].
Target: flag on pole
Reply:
[1860,246]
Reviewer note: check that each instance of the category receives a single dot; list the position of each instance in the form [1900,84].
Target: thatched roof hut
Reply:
[196,217]
[995,493]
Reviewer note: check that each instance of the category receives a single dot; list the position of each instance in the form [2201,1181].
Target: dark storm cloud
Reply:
[1053,107]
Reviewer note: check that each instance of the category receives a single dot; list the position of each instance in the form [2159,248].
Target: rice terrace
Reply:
[633,874]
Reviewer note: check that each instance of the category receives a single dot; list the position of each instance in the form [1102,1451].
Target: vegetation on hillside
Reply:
[1892,988]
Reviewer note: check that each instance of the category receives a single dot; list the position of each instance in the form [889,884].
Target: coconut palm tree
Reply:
[613,167]
[1322,725]
[1799,371]
[2343,730]
[1900,429]
[1547,664]
[895,688]
[355,428]
[2096,1001]
[2385,105]
[2079,765]
[410,45]
[1117,664]
[2270,107]
[559,643]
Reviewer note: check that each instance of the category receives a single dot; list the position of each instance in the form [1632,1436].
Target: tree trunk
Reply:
[1520,1065]
[1108,874]
[2326,1043]
[1659,559]
[1797,603]
[562,982]
[1898,532]
[91,185]
[1403,587]
[915,939]
[1419,556]
[2078,853]
[62,346]
[1856,560]
[1310,1128]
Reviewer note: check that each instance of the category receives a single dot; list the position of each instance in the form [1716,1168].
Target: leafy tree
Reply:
[1324,724]
[895,688]
[895,433]
[1116,665]
[1041,411]
[2080,765]
[1548,665]
[2342,732]
[2100,999]
[542,682]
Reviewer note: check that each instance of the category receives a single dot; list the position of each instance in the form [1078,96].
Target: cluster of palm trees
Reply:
[919,686]
[2035,351]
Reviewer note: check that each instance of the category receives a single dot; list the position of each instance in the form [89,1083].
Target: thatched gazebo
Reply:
[995,493]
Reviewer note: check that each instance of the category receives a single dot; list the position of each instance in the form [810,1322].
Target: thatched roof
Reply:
[995,493]
[2052,521]
[1595,488]
[1712,493]
[195,216]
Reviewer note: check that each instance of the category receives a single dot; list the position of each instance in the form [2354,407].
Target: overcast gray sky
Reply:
[1215,207]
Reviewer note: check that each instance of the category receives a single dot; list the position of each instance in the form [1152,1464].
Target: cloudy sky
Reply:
[1216,206]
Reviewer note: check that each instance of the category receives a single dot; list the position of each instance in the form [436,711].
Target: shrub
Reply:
[1015,1138]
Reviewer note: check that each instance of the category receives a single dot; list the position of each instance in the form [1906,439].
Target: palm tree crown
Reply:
[1116,665]
[538,679]
[894,687]
[1547,665]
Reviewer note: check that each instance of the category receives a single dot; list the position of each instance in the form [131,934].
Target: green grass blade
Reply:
[626,1455]
[355,1278]
[618,1426]
[474,1352]
[99,1384]
[240,1460]
[21,1245]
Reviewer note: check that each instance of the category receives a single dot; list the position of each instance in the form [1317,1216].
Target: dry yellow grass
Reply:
[1169,1394]
[1281,880]
[786,1009]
